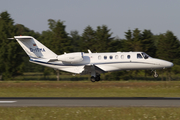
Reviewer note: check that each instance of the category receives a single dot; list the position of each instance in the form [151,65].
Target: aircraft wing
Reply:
[86,69]
[89,68]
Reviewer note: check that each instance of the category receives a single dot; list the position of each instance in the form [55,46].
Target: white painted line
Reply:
[7,102]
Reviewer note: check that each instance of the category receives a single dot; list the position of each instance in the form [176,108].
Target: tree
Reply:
[137,41]
[60,41]
[148,45]
[75,41]
[46,39]
[134,42]
[22,30]
[88,39]
[10,57]
[98,40]
[118,45]
[168,47]
[103,39]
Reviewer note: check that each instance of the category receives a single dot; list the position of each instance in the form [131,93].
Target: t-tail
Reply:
[35,49]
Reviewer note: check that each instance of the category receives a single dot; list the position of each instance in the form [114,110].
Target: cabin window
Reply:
[139,56]
[99,57]
[116,56]
[128,56]
[111,57]
[105,57]
[122,56]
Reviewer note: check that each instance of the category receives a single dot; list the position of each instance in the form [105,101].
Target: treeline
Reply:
[14,61]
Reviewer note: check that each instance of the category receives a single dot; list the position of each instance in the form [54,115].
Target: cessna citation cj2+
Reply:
[89,63]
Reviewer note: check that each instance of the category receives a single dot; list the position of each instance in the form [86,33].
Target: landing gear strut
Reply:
[155,74]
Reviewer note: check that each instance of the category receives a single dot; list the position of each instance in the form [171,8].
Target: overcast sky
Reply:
[119,15]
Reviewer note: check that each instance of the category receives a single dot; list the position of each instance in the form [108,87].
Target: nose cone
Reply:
[167,64]
[159,63]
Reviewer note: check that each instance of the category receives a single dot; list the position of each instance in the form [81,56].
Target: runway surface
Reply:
[90,102]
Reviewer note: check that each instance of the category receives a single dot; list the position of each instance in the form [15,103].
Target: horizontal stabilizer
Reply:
[44,60]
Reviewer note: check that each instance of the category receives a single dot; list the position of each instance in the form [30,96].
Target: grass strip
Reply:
[88,89]
[89,113]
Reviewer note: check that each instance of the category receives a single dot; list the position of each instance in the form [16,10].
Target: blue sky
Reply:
[119,15]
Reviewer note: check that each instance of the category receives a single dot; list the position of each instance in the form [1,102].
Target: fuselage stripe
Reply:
[89,63]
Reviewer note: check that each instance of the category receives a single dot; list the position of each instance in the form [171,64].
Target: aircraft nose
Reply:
[167,64]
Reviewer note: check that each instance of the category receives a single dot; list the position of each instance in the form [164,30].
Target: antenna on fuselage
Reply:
[89,51]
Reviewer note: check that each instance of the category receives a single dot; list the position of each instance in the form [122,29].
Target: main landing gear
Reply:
[94,79]
[94,75]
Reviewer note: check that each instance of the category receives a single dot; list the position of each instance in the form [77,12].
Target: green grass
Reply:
[64,76]
[35,76]
[88,89]
[88,113]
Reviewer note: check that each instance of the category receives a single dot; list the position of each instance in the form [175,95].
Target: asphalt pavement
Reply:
[90,102]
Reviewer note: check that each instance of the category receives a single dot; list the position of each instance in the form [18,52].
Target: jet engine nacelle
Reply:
[71,57]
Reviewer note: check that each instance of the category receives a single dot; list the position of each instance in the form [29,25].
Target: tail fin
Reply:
[34,48]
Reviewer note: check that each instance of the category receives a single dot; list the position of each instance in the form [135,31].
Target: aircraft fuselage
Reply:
[110,61]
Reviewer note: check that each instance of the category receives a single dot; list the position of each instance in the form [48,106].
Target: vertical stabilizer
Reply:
[34,48]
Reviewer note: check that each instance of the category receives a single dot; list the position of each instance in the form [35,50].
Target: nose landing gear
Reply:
[155,74]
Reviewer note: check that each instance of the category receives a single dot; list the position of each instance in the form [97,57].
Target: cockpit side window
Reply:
[145,55]
[139,56]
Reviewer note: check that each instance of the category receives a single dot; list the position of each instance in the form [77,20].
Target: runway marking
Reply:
[91,101]
[1,102]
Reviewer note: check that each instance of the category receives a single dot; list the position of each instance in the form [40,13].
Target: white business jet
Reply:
[89,63]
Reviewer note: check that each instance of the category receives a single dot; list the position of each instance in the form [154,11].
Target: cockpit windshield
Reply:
[145,55]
